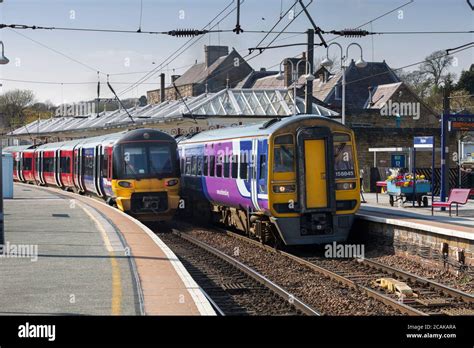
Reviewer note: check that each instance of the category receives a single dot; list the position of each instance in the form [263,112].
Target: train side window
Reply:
[199,165]
[235,167]
[212,165]
[226,166]
[105,165]
[219,166]
[187,166]
[263,167]
[65,163]
[243,165]
[27,163]
[88,165]
[206,166]
[194,165]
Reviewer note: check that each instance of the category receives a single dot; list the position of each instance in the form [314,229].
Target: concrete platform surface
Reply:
[73,255]
[420,217]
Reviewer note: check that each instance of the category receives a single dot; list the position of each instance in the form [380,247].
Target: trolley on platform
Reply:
[405,194]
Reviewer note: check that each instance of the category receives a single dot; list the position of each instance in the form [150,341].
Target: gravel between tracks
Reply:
[463,282]
[318,291]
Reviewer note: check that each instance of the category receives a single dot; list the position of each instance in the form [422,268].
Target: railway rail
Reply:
[232,287]
[433,298]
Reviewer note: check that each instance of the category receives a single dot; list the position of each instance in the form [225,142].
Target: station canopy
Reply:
[232,103]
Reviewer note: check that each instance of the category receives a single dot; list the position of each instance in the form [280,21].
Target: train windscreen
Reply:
[150,160]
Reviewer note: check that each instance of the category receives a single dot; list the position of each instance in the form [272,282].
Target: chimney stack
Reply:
[212,53]
[162,87]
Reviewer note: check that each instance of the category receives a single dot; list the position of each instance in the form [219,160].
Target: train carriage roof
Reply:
[263,129]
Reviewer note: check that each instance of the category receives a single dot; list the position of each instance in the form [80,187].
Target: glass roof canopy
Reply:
[228,102]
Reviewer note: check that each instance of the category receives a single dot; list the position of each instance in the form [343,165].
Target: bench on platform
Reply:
[456,196]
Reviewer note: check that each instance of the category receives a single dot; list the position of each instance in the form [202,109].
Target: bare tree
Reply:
[13,104]
[435,66]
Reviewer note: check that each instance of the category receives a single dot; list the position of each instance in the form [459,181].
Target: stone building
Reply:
[382,110]
[219,70]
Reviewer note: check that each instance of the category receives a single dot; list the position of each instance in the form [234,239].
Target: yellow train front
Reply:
[145,174]
[314,179]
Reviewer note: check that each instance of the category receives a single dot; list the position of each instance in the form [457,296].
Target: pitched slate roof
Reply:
[381,94]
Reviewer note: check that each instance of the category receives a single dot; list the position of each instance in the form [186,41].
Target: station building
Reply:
[382,110]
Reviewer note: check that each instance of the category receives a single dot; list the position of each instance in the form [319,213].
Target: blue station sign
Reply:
[398,161]
[423,142]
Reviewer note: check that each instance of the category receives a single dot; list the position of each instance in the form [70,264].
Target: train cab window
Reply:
[160,159]
[65,165]
[212,165]
[283,154]
[219,166]
[27,163]
[235,167]
[343,156]
[135,160]
[226,166]
[206,166]
[284,139]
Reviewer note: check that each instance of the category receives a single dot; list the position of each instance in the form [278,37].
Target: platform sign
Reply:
[398,161]
[423,142]
[461,122]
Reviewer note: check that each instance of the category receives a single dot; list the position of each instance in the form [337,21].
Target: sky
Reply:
[38,55]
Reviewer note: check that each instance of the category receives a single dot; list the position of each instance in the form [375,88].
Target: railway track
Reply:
[232,287]
[433,298]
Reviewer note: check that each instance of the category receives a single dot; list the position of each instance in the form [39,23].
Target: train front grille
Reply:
[149,202]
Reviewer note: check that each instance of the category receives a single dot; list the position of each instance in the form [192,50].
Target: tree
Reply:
[12,106]
[419,82]
[466,80]
[435,66]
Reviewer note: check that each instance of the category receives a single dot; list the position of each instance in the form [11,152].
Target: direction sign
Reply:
[398,161]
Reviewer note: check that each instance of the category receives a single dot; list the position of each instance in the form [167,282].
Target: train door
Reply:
[315,170]
[40,168]
[81,170]
[262,173]
[57,168]
[98,156]
[21,177]
[254,174]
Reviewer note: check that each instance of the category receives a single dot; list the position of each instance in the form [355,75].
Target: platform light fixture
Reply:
[294,73]
[360,63]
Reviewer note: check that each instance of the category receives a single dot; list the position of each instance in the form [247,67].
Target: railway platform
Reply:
[416,225]
[66,254]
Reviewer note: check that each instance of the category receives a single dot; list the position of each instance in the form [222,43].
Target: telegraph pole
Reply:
[309,84]
[444,141]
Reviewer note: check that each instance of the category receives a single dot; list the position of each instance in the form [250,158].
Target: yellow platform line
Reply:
[116,277]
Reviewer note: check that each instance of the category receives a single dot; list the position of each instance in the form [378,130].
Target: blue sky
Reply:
[121,53]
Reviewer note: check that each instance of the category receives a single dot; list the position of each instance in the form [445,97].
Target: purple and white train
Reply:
[293,180]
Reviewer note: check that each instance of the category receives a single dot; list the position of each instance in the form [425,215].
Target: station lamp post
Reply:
[3,60]
[360,63]
[294,76]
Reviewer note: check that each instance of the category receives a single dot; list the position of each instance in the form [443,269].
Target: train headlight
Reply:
[172,182]
[125,184]
[284,188]
[345,185]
